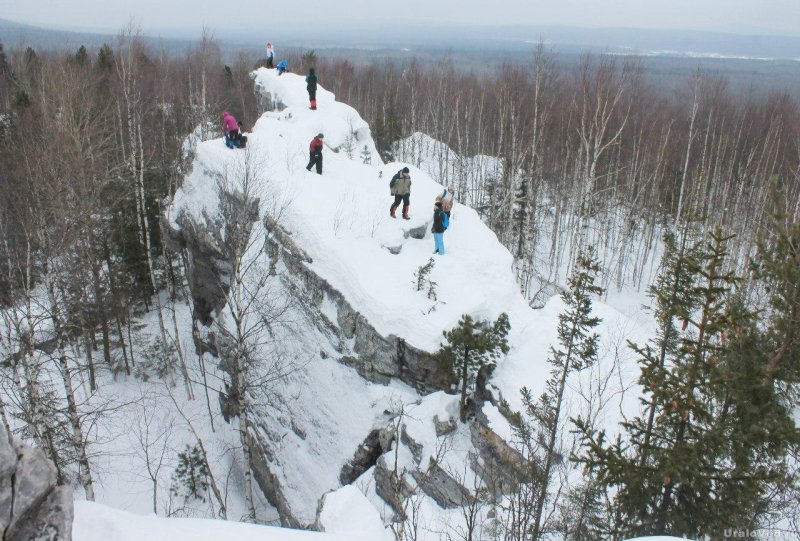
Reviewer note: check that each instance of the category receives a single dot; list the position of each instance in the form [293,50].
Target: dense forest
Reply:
[692,195]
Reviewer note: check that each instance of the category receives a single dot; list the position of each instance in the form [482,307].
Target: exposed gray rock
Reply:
[50,521]
[414,446]
[440,485]
[375,357]
[416,232]
[32,507]
[391,487]
[444,427]
[364,458]
[500,462]
[270,484]
[394,250]
[266,100]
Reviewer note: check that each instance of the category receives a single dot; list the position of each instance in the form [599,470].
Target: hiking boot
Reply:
[405,213]
[392,211]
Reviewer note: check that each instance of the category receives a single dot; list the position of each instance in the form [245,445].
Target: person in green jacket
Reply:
[400,187]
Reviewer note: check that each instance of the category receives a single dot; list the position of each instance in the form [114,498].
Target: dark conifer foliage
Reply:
[712,444]
[473,346]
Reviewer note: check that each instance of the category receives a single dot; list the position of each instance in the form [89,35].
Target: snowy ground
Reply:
[323,410]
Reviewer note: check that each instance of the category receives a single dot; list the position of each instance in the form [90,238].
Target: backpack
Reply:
[445,219]
[393,182]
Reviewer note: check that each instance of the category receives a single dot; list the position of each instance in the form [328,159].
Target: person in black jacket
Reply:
[439,227]
[311,86]
[315,153]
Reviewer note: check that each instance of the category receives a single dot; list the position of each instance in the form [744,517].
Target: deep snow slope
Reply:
[340,220]
[97,522]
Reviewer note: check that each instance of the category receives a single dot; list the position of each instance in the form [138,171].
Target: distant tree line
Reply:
[589,154]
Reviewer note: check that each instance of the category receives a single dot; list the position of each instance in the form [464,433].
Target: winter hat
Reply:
[438,204]
[311,71]
[405,169]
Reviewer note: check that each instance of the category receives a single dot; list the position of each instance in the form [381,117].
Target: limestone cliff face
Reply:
[377,358]
[32,507]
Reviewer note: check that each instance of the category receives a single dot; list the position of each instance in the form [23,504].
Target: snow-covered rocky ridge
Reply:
[361,335]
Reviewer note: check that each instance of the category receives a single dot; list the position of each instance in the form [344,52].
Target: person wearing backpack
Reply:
[400,188]
[315,153]
[446,197]
[311,86]
[440,223]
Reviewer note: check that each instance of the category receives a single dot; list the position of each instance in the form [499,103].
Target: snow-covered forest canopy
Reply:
[608,349]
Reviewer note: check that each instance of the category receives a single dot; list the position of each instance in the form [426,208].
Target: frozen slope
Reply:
[341,222]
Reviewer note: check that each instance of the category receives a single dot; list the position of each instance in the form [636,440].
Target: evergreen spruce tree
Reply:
[422,279]
[577,350]
[712,438]
[105,59]
[80,55]
[366,156]
[190,479]
[471,346]
[777,270]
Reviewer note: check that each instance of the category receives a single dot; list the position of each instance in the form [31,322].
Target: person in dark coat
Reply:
[311,86]
[438,228]
[315,153]
[270,56]
[400,188]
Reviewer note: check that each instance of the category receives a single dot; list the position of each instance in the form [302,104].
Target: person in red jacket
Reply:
[315,153]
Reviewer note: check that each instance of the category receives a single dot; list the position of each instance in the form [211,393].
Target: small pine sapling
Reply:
[422,279]
[472,346]
[190,479]
[366,156]
[349,145]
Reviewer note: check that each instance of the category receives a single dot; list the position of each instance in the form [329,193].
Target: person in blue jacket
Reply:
[440,223]
[283,67]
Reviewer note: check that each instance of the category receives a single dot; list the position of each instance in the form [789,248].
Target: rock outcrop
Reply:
[32,507]
[377,358]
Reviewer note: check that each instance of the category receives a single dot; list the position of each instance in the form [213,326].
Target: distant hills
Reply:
[751,63]
[564,39]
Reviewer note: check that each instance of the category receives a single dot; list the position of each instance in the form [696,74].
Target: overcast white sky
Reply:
[745,16]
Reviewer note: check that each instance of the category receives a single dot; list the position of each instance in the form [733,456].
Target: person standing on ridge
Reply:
[311,86]
[231,130]
[446,197]
[400,188]
[440,222]
[270,56]
[315,153]
[283,67]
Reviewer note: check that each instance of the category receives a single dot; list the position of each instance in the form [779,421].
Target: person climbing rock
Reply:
[440,222]
[231,130]
[311,86]
[283,67]
[400,188]
[270,56]
[446,197]
[315,153]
